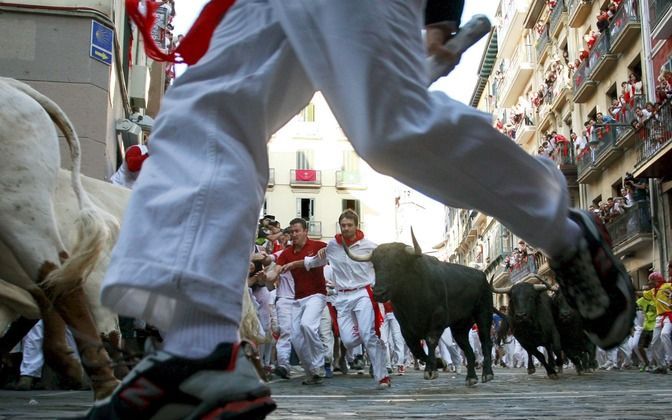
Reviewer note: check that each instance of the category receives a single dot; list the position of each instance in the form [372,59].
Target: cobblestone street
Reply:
[513,394]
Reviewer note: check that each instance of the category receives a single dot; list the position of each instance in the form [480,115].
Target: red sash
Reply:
[194,44]
[377,316]
[334,319]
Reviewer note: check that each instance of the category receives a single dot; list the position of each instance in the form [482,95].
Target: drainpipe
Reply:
[645,25]
[659,236]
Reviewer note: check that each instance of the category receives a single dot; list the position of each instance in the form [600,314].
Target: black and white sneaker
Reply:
[596,283]
[224,385]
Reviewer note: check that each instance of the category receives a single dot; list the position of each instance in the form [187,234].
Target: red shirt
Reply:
[306,283]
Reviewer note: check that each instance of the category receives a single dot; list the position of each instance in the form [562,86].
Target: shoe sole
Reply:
[255,405]
[621,297]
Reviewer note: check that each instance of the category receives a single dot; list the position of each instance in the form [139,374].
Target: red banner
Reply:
[307,175]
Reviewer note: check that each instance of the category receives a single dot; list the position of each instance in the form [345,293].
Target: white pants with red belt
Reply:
[306,316]
[207,175]
[356,324]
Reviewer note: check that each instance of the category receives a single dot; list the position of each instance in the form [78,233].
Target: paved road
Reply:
[513,395]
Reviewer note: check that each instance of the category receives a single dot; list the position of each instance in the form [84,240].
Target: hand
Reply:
[436,36]
[322,253]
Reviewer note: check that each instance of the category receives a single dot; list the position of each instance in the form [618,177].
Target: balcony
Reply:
[585,168]
[542,46]
[660,14]
[510,30]
[600,60]
[603,139]
[306,178]
[563,156]
[655,145]
[271,178]
[583,85]
[526,130]
[523,269]
[349,180]
[558,19]
[624,27]
[518,73]
[578,11]
[314,229]
[631,230]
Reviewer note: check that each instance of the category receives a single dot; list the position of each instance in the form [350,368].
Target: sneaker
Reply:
[401,370]
[328,373]
[25,383]
[595,282]
[385,383]
[224,384]
[313,380]
[358,363]
[282,372]
[343,365]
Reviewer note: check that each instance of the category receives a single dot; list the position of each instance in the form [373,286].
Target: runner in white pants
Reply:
[359,317]
[207,176]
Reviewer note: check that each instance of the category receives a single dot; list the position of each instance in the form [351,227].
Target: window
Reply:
[305,208]
[352,204]
[305,159]
[308,113]
[350,161]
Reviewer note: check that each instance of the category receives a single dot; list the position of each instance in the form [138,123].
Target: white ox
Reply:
[33,255]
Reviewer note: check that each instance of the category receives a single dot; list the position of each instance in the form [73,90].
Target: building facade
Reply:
[565,79]
[87,57]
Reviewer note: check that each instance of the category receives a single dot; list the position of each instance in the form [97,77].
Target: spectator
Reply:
[129,170]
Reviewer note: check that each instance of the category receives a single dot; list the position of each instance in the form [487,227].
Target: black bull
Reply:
[428,296]
[531,319]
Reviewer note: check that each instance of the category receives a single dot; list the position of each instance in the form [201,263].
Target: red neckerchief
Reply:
[359,235]
[194,44]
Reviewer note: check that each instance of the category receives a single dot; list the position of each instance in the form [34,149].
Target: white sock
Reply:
[195,334]
[565,242]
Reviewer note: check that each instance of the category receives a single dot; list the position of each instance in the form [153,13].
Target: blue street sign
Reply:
[102,43]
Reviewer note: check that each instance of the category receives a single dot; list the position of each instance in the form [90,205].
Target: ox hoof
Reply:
[487,378]
[430,375]
[553,376]
[531,371]
[471,381]
[102,390]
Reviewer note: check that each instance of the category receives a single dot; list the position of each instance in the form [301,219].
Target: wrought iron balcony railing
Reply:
[634,222]
[655,133]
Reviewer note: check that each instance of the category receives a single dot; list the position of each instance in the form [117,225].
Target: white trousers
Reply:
[327,335]
[394,341]
[306,316]
[33,357]
[283,347]
[206,178]
[450,352]
[356,324]
[661,344]
[475,343]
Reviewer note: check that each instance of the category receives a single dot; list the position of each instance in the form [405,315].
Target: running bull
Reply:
[531,319]
[428,296]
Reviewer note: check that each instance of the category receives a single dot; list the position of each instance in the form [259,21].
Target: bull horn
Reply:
[546,283]
[540,287]
[416,250]
[501,290]
[359,258]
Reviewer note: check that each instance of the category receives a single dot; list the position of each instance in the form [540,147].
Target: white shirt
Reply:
[285,287]
[346,272]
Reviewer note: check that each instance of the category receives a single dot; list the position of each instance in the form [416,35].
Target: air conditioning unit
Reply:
[138,86]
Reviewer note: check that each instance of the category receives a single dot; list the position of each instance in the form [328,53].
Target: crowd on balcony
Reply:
[520,258]
[633,190]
